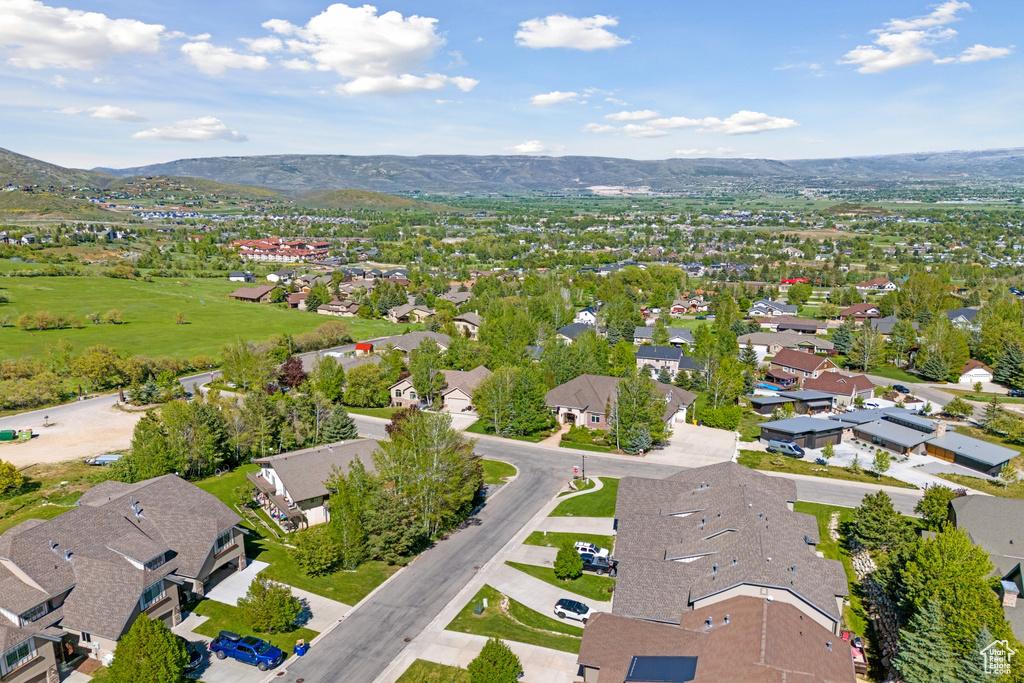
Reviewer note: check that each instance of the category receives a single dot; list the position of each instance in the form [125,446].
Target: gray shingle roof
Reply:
[975,449]
[410,340]
[304,472]
[594,393]
[673,532]
[648,333]
[801,425]
[573,330]
[465,381]
[893,433]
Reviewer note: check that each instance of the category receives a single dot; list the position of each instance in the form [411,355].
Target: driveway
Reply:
[214,670]
[236,586]
[536,594]
[695,446]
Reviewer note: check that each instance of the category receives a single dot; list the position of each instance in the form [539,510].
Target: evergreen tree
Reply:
[1009,368]
[660,335]
[924,656]
[843,336]
[971,668]
[934,506]
[635,414]
[664,376]
[148,653]
[568,563]
[683,380]
[748,356]
[340,426]
[318,295]
[877,524]
[496,663]
[993,414]
[935,367]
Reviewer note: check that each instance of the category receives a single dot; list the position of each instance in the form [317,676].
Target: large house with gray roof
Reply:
[82,578]
[707,535]
[584,401]
[292,487]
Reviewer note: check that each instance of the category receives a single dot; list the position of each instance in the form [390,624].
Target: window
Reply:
[595,418]
[157,561]
[151,595]
[225,540]
[35,613]
[412,395]
[398,393]
[20,654]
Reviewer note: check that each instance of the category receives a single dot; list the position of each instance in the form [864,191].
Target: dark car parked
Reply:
[599,565]
[1015,393]
[900,388]
[195,655]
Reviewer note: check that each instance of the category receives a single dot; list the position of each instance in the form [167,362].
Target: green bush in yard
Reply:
[496,663]
[148,653]
[269,607]
[723,417]
[316,551]
[568,563]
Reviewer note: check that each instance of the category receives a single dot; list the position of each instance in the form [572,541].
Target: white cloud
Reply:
[106,111]
[738,124]
[298,65]
[58,81]
[553,97]
[214,60]
[904,42]
[529,147]
[716,152]
[578,33]
[375,53]
[621,103]
[203,129]
[641,115]
[599,128]
[638,130]
[396,85]
[265,44]
[814,68]
[37,36]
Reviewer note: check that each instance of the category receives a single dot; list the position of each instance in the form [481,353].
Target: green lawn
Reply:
[48,491]
[854,614]
[748,427]
[589,585]
[553,539]
[484,427]
[588,483]
[348,587]
[386,413]
[496,470]
[586,446]
[896,374]
[983,397]
[985,485]
[597,504]
[229,618]
[149,309]
[493,623]
[422,671]
[773,462]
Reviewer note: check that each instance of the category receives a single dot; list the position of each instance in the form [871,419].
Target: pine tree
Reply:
[664,376]
[877,524]
[1009,368]
[748,356]
[924,655]
[843,337]
[935,367]
[971,668]
[340,426]
[993,414]
[568,563]
[148,653]
[496,663]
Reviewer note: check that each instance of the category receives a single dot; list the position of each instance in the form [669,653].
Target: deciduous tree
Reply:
[148,653]
[269,607]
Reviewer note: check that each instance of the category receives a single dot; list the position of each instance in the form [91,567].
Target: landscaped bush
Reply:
[723,417]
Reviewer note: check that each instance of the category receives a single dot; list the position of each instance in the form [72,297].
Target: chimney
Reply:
[1010,593]
[940,428]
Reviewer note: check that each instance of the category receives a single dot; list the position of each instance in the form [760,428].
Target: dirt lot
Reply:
[77,431]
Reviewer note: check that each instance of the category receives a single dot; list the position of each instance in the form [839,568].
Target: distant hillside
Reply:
[297,173]
[363,199]
[17,204]
[197,186]
[17,169]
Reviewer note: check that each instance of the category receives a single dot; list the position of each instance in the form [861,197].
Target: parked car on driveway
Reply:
[599,565]
[584,547]
[785,448]
[571,609]
[250,650]
[1015,393]
[195,656]
[900,388]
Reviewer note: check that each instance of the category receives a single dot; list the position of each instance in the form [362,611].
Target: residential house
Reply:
[126,549]
[409,313]
[701,537]
[993,524]
[341,309]
[806,326]
[768,344]
[262,294]
[975,371]
[653,359]
[239,276]
[963,318]
[860,312]
[29,655]
[767,307]
[804,401]
[974,453]
[800,364]
[569,333]
[587,316]
[456,297]
[677,336]
[297,300]
[292,487]
[284,275]
[845,388]
[684,306]
[468,324]
[406,343]
[456,395]
[584,401]
[804,431]
[878,284]
[884,325]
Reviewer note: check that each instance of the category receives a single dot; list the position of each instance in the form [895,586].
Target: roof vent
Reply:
[769,559]
[714,569]
[829,645]
[703,521]
[727,618]
[709,621]
[67,555]
[735,560]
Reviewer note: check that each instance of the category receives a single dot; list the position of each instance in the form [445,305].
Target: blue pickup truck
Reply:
[250,650]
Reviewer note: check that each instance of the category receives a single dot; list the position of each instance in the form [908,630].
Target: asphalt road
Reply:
[372,636]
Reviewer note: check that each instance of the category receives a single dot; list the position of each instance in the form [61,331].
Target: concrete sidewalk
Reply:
[538,595]
[540,664]
[540,555]
[604,526]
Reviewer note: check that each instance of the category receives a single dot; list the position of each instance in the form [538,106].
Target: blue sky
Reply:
[117,83]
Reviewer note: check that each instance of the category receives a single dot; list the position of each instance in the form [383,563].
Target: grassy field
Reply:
[773,462]
[348,587]
[149,310]
[985,485]
[229,618]
[533,629]
[553,539]
[854,614]
[496,470]
[589,585]
[983,397]
[48,491]
[896,375]
[386,413]
[597,504]
[484,427]
[422,671]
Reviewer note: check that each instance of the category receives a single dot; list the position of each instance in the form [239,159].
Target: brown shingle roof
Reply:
[764,642]
[252,293]
[834,383]
[304,472]
[594,393]
[801,360]
[465,381]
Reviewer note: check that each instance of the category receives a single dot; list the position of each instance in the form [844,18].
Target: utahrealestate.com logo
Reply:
[997,657]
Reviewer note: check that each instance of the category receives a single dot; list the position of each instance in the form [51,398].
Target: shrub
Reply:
[723,417]
[316,551]
[269,607]
[496,663]
[568,563]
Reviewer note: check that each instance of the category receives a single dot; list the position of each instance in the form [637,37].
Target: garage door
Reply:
[456,404]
